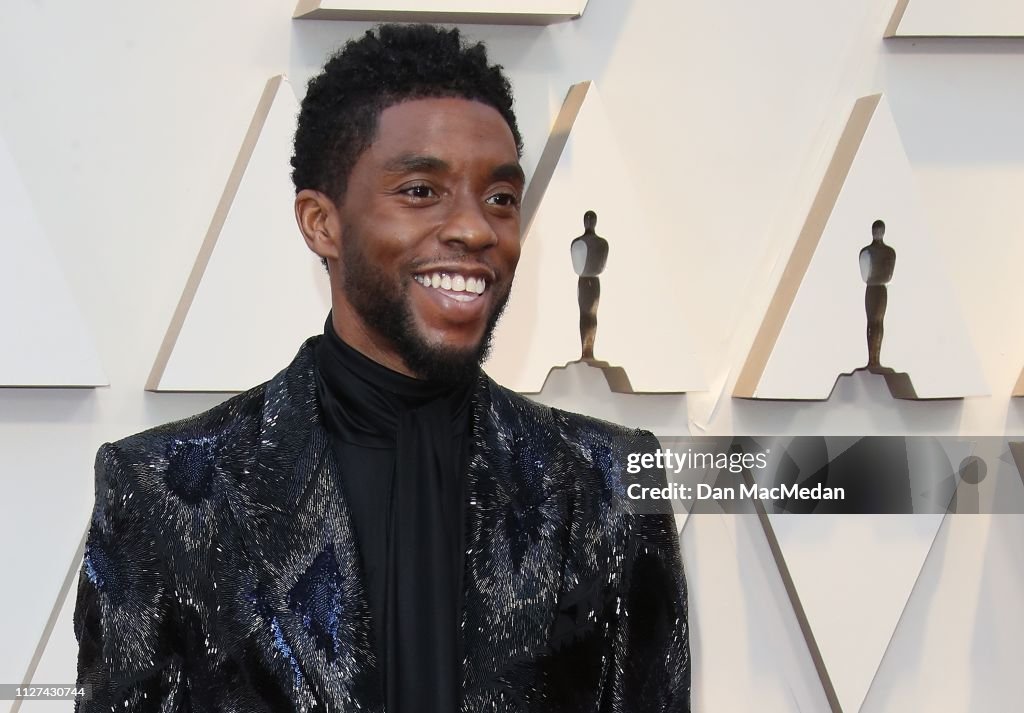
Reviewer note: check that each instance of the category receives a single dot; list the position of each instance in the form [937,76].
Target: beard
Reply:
[384,306]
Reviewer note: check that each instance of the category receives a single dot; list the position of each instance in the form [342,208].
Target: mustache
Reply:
[463,262]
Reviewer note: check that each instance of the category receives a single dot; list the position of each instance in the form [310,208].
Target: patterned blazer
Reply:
[221,572]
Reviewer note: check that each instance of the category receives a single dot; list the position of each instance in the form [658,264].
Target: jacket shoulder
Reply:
[181,457]
[570,423]
[213,424]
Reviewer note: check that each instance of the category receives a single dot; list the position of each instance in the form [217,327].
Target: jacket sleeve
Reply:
[123,612]
[650,669]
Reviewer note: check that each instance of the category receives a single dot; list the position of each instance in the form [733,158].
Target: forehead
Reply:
[446,127]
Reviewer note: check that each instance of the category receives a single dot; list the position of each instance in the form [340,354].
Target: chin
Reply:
[440,359]
[451,342]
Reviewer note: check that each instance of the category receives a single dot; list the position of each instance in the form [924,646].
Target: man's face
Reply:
[429,237]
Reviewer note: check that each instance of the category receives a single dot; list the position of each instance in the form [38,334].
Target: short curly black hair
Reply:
[391,64]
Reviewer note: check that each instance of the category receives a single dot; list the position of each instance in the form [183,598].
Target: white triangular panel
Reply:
[956,18]
[639,322]
[747,648]
[853,575]
[849,576]
[505,12]
[823,331]
[45,341]
[256,291]
[961,639]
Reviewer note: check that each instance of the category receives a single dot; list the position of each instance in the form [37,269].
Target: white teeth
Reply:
[453,283]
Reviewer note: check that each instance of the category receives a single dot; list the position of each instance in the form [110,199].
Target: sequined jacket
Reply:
[221,573]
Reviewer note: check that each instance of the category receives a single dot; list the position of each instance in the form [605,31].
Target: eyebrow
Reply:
[411,163]
[511,172]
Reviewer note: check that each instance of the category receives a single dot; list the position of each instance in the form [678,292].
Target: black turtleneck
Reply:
[402,446]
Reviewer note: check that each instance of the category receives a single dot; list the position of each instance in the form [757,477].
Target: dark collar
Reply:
[362,401]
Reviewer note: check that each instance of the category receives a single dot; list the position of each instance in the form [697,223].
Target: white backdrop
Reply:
[124,121]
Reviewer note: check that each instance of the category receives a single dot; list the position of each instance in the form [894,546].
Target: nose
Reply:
[467,225]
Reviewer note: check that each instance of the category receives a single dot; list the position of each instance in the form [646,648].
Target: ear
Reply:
[320,223]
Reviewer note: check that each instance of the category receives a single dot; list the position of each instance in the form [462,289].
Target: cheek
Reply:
[510,248]
[387,246]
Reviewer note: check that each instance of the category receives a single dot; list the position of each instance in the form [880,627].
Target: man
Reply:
[380,527]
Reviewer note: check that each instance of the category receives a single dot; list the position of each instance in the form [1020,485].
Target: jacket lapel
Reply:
[519,500]
[301,573]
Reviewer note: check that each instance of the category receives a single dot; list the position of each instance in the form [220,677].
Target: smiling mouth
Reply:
[461,288]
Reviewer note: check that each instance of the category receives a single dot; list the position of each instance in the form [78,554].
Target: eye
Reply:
[419,191]
[504,200]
